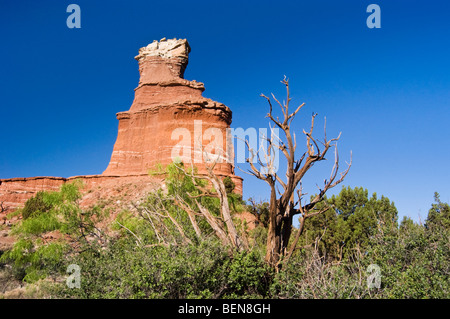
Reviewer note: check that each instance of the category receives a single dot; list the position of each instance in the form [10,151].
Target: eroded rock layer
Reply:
[168,120]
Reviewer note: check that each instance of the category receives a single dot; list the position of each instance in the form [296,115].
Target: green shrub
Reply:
[229,184]
[37,224]
[35,205]
[206,270]
[33,257]
[31,262]
[413,258]
[248,275]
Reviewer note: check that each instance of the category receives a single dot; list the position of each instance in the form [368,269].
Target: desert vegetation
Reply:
[153,250]
[188,238]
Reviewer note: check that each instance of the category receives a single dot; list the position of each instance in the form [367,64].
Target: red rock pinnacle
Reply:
[169,118]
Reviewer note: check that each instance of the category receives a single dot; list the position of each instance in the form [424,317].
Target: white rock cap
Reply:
[166,49]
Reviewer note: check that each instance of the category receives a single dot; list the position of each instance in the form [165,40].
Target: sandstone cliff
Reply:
[169,118]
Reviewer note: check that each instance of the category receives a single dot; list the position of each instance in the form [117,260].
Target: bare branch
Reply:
[138,240]
[291,116]
[179,201]
[283,208]
[330,183]
[269,115]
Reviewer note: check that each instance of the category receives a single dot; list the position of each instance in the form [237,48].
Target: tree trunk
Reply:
[225,211]
[220,232]
[273,247]
[297,237]
[286,231]
[278,239]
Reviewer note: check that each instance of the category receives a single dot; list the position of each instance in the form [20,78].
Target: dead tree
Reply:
[222,225]
[2,210]
[159,217]
[283,205]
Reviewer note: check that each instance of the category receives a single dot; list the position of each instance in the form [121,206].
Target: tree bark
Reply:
[225,210]
[219,230]
[273,247]
[282,210]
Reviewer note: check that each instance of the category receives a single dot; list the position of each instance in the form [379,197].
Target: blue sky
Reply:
[387,89]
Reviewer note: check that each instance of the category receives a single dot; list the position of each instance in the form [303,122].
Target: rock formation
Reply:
[168,120]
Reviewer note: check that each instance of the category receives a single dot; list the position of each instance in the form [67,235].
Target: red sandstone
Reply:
[164,102]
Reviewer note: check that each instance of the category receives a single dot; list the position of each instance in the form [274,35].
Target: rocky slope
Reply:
[168,120]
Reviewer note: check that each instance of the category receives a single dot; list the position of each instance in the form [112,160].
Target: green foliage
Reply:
[178,182]
[229,184]
[162,213]
[335,250]
[340,244]
[127,221]
[205,270]
[37,224]
[248,275]
[150,259]
[310,276]
[33,257]
[439,214]
[258,238]
[260,211]
[414,261]
[157,171]
[350,224]
[34,260]
[15,213]
[35,205]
